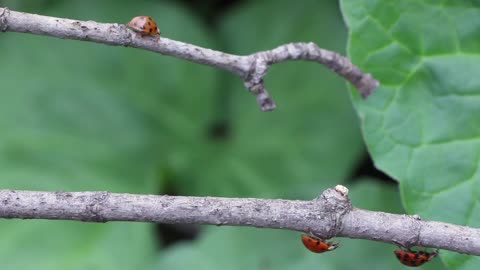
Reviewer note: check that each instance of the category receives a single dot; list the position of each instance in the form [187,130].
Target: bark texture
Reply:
[250,68]
[329,215]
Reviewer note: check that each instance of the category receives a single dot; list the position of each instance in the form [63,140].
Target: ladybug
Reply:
[413,258]
[144,25]
[317,245]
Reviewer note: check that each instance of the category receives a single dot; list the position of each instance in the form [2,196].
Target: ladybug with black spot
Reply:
[144,25]
[316,244]
[413,258]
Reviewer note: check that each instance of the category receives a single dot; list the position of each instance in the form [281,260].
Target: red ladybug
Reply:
[144,25]
[317,245]
[414,258]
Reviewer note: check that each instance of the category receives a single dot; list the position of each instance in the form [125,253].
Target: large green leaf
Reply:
[311,140]
[248,248]
[85,116]
[421,125]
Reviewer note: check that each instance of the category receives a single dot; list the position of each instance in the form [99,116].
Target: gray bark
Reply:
[329,215]
[250,68]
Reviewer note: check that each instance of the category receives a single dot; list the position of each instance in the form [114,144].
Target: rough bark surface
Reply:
[250,68]
[329,215]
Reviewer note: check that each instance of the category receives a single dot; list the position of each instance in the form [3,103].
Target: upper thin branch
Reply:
[331,214]
[251,68]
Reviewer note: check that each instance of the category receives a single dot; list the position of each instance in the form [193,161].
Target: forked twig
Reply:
[251,68]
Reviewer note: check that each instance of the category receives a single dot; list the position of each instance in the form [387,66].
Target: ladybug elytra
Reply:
[414,258]
[317,245]
[144,25]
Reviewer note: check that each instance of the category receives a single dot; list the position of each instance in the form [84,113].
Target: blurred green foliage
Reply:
[84,116]
[311,140]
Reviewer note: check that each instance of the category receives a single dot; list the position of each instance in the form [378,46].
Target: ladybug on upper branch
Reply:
[144,25]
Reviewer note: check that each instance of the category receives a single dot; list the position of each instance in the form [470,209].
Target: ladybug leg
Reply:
[405,249]
[331,245]
[311,233]
[400,246]
[434,253]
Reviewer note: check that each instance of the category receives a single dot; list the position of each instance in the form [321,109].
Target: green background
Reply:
[83,116]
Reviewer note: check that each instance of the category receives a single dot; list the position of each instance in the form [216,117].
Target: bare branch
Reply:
[331,214]
[250,68]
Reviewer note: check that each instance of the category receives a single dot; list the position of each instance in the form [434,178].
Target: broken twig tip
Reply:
[268,105]
[367,85]
[342,190]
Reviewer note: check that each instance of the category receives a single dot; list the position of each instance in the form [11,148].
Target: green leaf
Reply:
[421,124]
[248,248]
[83,116]
[310,140]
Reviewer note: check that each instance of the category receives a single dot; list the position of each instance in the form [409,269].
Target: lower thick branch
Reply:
[105,206]
[329,215]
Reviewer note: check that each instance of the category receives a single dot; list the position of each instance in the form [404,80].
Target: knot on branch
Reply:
[95,207]
[336,204]
[254,83]
[4,12]
[415,230]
